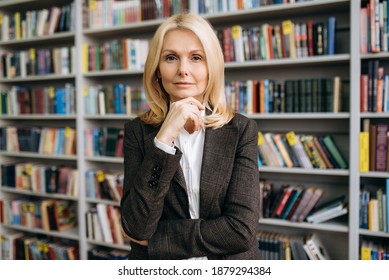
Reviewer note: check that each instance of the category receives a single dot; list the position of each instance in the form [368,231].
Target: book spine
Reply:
[364,151]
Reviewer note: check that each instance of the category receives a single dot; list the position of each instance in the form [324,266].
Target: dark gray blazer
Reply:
[155,204]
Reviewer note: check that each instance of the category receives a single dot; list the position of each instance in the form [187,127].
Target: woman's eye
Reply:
[197,58]
[170,57]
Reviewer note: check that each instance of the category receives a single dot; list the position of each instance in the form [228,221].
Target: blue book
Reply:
[117,106]
[363,209]
[61,137]
[90,184]
[60,101]
[331,35]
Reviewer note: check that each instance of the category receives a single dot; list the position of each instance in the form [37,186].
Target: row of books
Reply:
[374,88]
[290,96]
[103,224]
[374,250]
[46,214]
[40,178]
[299,150]
[104,141]
[373,147]
[250,96]
[126,54]
[40,100]
[286,40]
[45,61]
[374,208]
[374,26]
[102,184]
[277,246]
[20,246]
[35,23]
[211,7]
[106,13]
[43,140]
[299,203]
[114,99]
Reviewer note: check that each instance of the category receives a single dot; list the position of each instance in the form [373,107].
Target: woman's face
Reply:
[183,66]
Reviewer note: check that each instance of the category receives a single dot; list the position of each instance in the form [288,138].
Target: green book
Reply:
[333,149]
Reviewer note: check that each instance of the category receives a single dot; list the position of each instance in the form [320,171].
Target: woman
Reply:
[191,175]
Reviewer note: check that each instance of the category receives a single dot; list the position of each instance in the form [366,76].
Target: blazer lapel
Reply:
[218,156]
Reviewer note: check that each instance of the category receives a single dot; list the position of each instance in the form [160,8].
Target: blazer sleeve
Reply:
[234,231]
[148,172]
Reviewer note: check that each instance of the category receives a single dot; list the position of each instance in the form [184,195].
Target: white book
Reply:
[97,228]
[42,19]
[249,86]
[5,28]
[101,102]
[104,221]
[238,43]
[64,62]
[309,253]
[317,248]
[55,14]
[328,216]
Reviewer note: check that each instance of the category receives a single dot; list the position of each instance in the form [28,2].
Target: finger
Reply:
[194,101]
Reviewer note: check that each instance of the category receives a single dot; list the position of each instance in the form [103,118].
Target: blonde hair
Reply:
[214,95]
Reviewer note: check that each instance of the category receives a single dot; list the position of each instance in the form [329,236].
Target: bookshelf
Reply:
[341,237]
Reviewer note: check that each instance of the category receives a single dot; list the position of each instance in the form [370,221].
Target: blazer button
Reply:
[153,183]
[157,168]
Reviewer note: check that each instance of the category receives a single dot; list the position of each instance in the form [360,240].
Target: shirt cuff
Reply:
[166,148]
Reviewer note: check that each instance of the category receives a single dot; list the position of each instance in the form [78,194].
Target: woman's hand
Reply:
[185,113]
[142,243]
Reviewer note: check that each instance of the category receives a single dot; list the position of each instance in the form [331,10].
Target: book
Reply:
[364,198]
[364,151]
[328,210]
[297,190]
[373,221]
[283,150]
[308,192]
[297,147]
[381,147]
[104,221]
[335,152]
[331,35]
[317,248]
[364,98]
[8,245]
[317,194]
[387,204]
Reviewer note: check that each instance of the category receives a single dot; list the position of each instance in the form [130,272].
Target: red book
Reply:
[380,89]
[228,47]
[270,42]
[381,147]
[281,205]
[310,37]
[364,87]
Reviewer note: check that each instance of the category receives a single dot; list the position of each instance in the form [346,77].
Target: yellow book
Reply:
[373,215]
[365,251]
[18,32]
[85,65]
[364,151]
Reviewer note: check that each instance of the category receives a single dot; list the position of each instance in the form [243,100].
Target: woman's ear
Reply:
[158,74]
